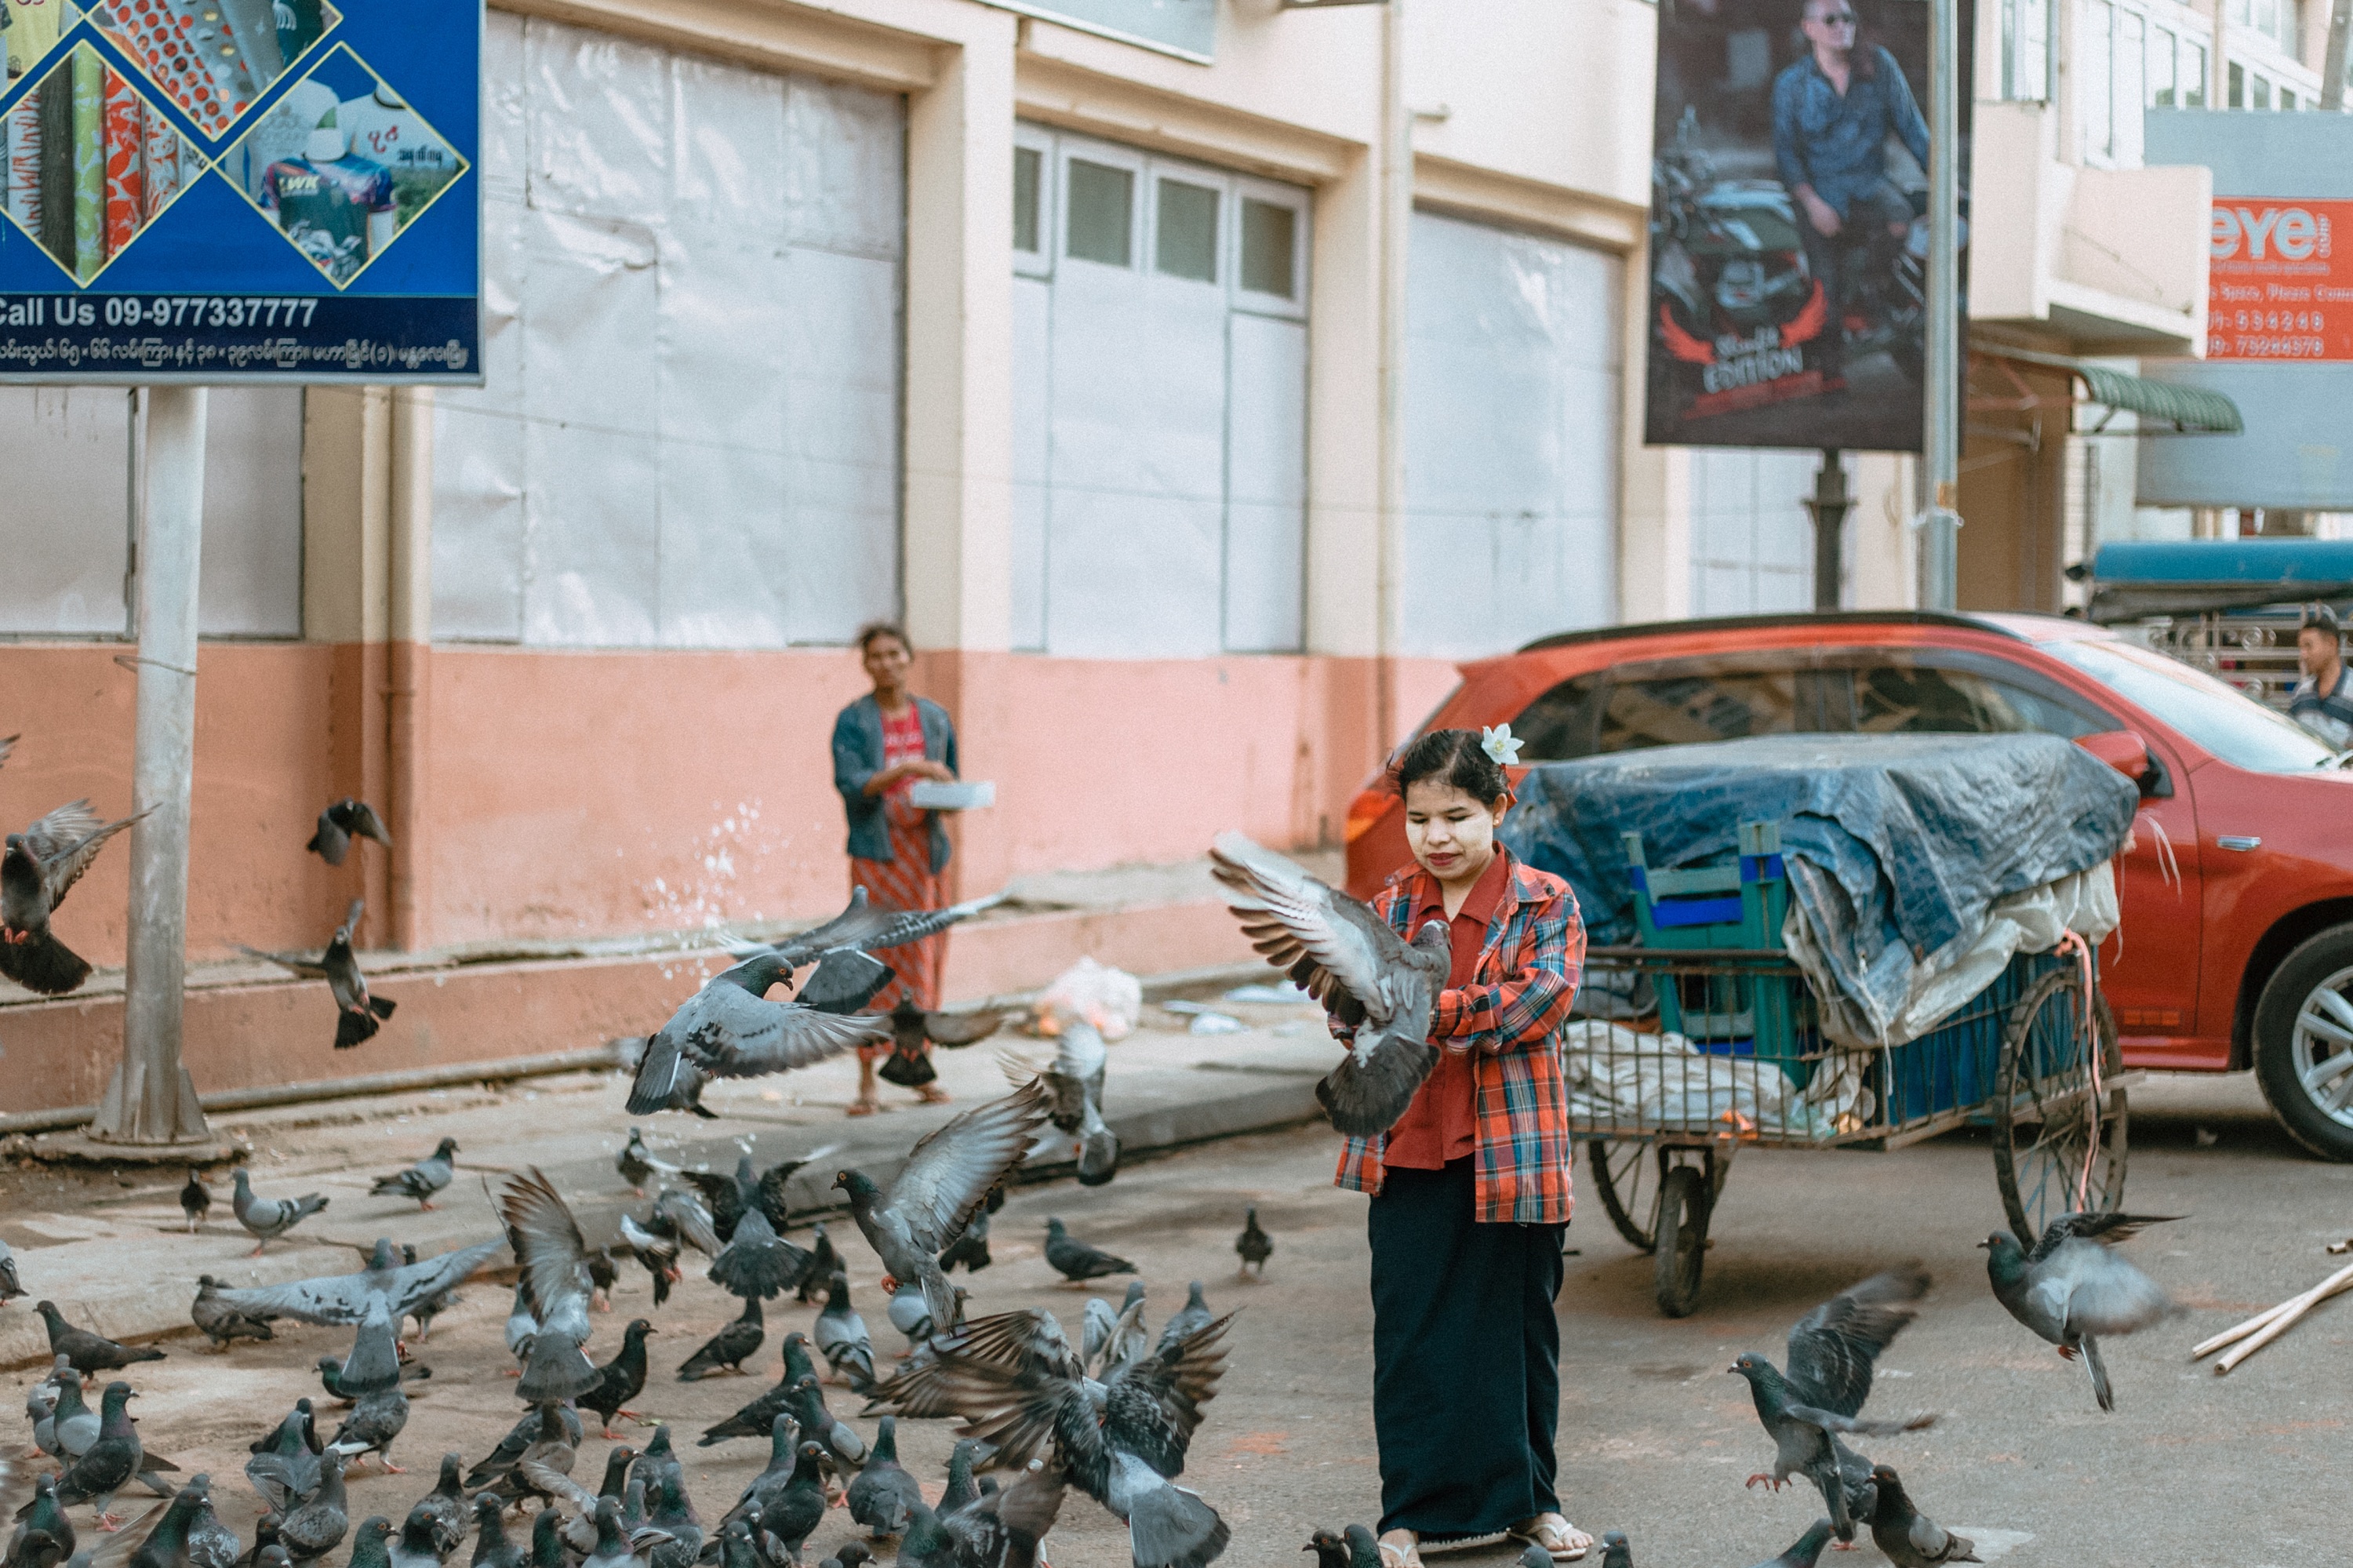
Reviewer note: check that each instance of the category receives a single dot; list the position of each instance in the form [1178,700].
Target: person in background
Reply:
[882,745]
[2322,702]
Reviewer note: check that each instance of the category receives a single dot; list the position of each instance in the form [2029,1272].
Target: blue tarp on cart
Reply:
[1899,845]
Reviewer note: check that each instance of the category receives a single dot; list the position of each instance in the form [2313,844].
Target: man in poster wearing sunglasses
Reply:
[1832,113]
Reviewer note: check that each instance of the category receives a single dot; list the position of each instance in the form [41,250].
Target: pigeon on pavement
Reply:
[2074,1289]
[112,1463]
[221,1322]
[1533,1556]
[1331,1550]
[1909,1538]
[1074,1260]
[1076,1079]
[727,1030]
[1190,1319]
[1615,1552]
[37,868]
[784,1447]
[1805,1550]
[734,1344]
[317,1527]
[358,1014]
[997,1530]
[1831,1350]
[946,1178]
[73,1424]
[285,1469]
[758,1418]
[89,1354]
[372,1371]
[884,1496]
[555,1261]
[196,1201]
[167,1544]
[794,1512]
[821,1425]
[620,1380]
[267,1219]
[337,825]
[1254,1244]
[10,1286]
[422,1179]
[841,1337]
[445,1507]
[46,1515]
[345,1298]
[1379,987]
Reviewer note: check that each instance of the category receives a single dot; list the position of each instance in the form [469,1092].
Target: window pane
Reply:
[2193,76]
[2132,52]
[1684,710]
[1100,199]
[1186,243]
[2238,85]
[1027,161]
[2096,103]
[1269,230]
[1561,724]
[2261,97]
[2287,98]
[2160,68]
[1903,699]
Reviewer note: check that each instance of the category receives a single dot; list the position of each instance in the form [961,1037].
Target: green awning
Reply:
[2164,408]
[2186,410]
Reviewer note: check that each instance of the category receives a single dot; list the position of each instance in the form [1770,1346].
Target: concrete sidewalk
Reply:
[118,1257]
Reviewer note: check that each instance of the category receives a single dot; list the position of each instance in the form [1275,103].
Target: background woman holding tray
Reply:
[883,743]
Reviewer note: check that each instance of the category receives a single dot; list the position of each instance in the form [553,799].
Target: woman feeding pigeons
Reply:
[1471,1187]
[883,743]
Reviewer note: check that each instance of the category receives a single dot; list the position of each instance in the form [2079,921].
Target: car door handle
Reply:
[2238,842]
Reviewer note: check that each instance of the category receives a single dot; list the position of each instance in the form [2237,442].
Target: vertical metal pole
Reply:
[1941,442]
[2332,69]
[1396,212]
[150,1098]
[1830,506]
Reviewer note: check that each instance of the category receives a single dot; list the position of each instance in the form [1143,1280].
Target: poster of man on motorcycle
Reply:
[1788,228]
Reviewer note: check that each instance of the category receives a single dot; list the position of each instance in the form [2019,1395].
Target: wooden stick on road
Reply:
[2266,1326]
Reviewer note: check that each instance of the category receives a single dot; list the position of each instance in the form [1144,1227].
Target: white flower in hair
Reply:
[1497,743]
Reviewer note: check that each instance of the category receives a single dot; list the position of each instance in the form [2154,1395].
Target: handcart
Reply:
[1736,1047]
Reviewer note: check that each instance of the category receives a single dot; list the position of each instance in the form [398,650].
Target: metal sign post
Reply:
[1940,451]
[1830,504]
[152,1098]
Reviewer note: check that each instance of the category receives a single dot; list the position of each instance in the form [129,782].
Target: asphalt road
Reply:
[1655,1437]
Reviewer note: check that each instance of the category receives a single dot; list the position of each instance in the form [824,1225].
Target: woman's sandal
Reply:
[1556,1535]
[1402,1554]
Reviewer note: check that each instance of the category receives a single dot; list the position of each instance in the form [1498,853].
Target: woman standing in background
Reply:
[882,745]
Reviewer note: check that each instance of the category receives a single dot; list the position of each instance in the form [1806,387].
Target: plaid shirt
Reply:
[1510,1015]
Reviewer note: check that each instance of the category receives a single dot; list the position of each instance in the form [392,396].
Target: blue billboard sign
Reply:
[213,192]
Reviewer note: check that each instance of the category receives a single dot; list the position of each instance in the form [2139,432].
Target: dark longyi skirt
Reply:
[1466,1358]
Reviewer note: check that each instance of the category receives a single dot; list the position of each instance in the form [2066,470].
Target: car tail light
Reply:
[1368,807]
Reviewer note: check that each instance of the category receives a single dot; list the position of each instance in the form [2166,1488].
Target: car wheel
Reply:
[2304,1044]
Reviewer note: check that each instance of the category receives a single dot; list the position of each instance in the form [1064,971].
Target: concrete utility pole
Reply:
[151,1099]
[2332,69]
[1395,236]
[1940,447]
[1830,506]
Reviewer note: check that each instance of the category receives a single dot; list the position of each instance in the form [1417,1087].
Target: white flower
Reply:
[1496,742]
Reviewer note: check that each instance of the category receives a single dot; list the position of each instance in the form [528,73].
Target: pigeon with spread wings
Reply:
[946,1179]
[339,823]
[554,1260]
[729,1030]
[345,1297]
[1372,980]
[357,1014]
[36,869]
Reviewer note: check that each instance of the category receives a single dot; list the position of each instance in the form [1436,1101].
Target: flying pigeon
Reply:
[36,869]
[758,1263]
[1074,1260]
[636,1164]
[337,825]
[555,1261]
[358,1014]
[909,1066]
[727,1030]
[2073,1287]
[347,1298]
[422,1179]
[1377,986]
[1909,1538]
[945,1180]
[1076,1079]
[1831,1350]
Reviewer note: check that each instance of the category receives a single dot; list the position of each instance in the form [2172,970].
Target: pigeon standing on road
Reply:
[1254,1244]
[946,1180]
[196,1201]
[1909,1538]
[1807,1548]
[111,1461]
[221,1322]
[734,1344]
[1828,1379]
[89,1354]
[358,1014]
[37,868]
[1615,1551]
[267,1219]
[422,1179]
[620,1380]
[444,1507]
[317,1527]
[841,1337]
[10,1286]
[339,823]
[1376,985]
[1190,1319]
[884,1496]
[373,1373]
[1074,1260]
[2073,1289]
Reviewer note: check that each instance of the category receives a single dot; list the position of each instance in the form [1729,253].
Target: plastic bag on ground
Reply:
[1112,1000]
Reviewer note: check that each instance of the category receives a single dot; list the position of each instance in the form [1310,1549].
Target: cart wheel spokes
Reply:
[1626,1179]
[2056,1147]
[1683,1203]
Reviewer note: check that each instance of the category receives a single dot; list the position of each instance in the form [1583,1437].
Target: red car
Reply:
[2236,948]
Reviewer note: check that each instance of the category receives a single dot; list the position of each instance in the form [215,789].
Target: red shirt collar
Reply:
[1486,893]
